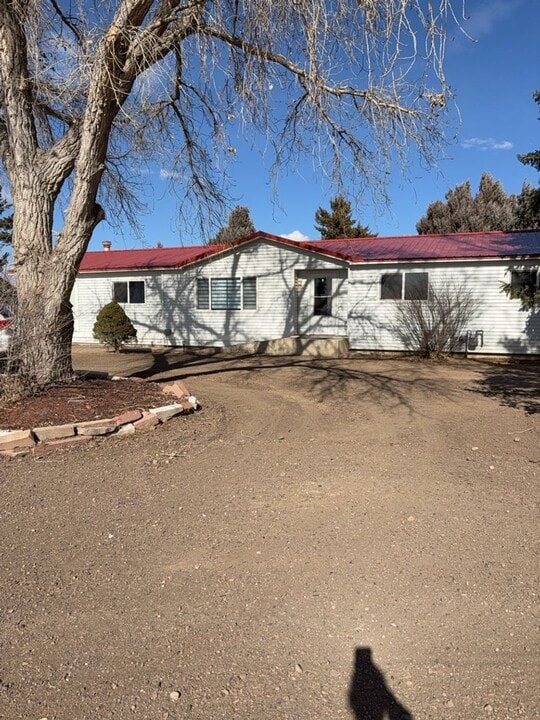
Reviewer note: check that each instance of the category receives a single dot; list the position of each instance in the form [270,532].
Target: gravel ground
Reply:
[325,539]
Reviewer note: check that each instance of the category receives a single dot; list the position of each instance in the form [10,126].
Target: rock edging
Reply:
[42,441]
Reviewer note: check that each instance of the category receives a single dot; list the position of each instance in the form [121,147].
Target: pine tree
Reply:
[239,226]
[338,222]
[490,209]
[113,327]
[460,205]
[435,220]
[493,208]
[528,208]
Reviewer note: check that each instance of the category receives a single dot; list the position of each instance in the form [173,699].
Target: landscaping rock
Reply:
[130,416]
[50,447]
[54,432]
[128,429]
[176,388]
[148,422]
[12,454]
[167,411]
[13,439]
[96,427]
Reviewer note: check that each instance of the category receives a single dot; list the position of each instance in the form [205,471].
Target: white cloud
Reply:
[165,174]
[485,16]
[296,236]
[486,144]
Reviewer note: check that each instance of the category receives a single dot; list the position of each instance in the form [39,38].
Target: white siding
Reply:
[170,314]
[506,328]
[93,291]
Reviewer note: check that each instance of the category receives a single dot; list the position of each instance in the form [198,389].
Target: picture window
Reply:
[405,286]
[227,293]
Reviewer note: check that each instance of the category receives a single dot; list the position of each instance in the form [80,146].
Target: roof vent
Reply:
[106,245]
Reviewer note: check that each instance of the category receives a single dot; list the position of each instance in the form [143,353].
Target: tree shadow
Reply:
[370,698]
[515,383]
[322,379]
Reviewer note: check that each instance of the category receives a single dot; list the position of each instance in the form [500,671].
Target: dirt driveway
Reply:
[324,540]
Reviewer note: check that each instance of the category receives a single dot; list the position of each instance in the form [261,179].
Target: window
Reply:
[391,286]
[249,293]
[405,286]
[129,292]
[203,294]
[523,280]
[416,286]
[322,300]
[227,293]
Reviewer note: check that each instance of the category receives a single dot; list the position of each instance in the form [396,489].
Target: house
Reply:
[265,287]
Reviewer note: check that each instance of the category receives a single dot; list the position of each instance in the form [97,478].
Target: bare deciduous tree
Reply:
[436,326]
[89,89]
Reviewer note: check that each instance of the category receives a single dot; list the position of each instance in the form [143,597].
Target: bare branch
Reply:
[87,97]
[69,22]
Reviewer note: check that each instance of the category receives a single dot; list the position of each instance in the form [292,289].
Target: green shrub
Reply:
[113,327]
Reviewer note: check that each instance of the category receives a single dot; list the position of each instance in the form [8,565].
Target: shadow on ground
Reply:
[323,379]
[370,698]
[515,384]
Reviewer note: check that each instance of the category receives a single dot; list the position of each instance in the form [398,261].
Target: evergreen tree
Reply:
[113,327]
[528,208]
[460,204]
[490,209]
[435,221]
[239,226]
[338,222]
[493,208]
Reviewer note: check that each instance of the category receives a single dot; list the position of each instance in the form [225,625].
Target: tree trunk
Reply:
[43,329]
[41,346]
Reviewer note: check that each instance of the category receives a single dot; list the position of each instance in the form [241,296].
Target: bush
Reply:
[436,326]
[113,327]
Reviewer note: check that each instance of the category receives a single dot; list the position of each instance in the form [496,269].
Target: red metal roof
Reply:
[436,247]
[458,246]
[145,258]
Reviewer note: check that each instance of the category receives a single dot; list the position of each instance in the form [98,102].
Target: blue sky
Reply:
[493,79]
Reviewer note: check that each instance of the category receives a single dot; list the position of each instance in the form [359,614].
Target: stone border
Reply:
[42,441]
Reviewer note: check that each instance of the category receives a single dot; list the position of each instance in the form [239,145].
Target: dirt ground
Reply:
[326,539]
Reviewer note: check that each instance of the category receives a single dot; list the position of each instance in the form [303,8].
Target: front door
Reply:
[321,302]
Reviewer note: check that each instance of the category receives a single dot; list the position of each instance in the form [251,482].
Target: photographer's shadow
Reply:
[370,697]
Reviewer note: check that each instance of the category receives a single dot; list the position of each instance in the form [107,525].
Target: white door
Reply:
[321,302]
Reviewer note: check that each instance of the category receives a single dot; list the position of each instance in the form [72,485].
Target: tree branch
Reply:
[68,22]
[15,91]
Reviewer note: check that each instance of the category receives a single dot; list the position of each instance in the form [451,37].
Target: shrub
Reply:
[526,289]
[113,327]
[436,326]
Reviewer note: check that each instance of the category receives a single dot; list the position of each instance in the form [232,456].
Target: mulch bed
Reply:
[79,401]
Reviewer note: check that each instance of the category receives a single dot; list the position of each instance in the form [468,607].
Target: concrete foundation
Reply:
[309,346]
